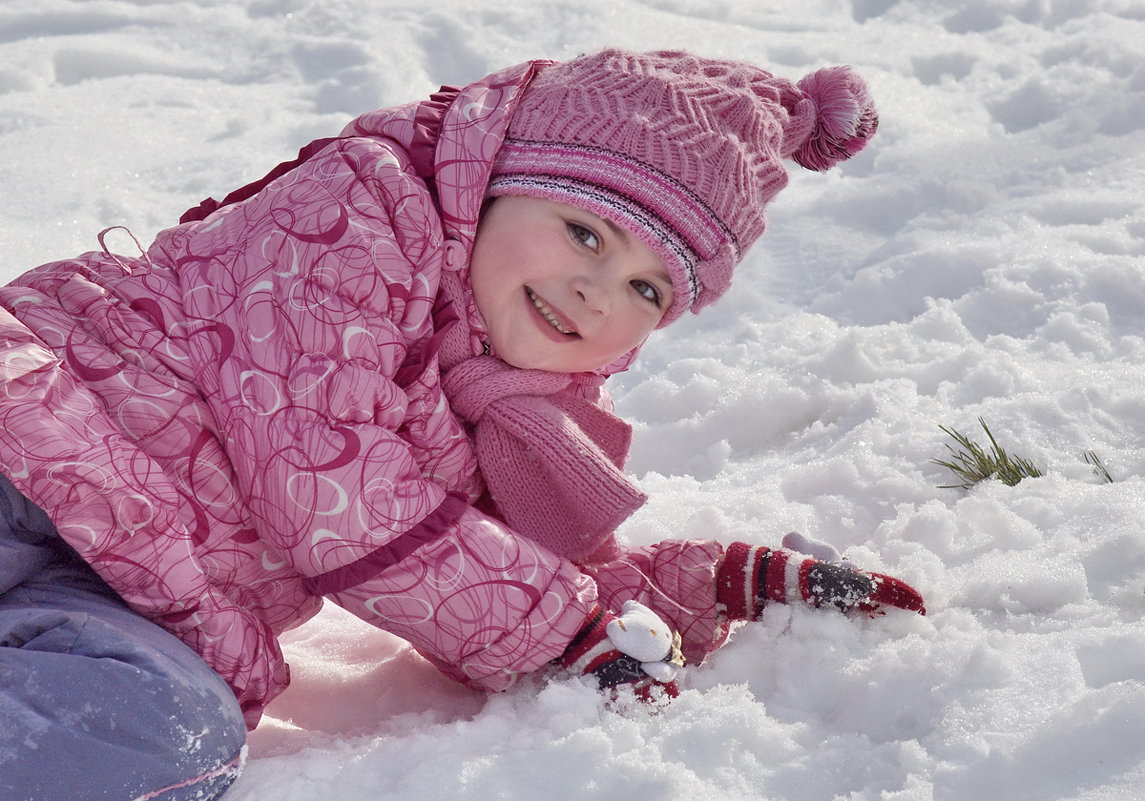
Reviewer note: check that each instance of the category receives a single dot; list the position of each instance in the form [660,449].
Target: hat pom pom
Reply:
[846,117]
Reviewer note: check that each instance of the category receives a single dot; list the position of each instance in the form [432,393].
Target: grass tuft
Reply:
[1092,459]
[972,463]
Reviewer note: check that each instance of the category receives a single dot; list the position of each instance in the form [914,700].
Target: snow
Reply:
[983,258]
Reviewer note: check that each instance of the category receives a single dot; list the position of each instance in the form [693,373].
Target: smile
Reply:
[548,314]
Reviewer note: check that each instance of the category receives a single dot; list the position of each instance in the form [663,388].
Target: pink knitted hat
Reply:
[683,151]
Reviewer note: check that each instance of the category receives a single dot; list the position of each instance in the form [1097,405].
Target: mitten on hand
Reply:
[637,648]
[752,575]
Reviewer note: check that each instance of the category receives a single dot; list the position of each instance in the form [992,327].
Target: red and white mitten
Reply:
[751,575]
[637,648]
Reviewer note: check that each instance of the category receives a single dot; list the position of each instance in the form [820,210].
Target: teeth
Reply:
[547,313]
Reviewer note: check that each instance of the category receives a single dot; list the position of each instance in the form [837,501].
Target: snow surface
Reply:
[983,258]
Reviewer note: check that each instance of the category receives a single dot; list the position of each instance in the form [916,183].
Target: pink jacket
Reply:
[249,417]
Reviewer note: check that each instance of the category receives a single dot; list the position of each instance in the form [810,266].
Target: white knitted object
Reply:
[640,633]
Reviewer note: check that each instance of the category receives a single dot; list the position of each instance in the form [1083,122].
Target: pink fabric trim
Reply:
[209,205]
[434,525]
[426,124]
[235,765]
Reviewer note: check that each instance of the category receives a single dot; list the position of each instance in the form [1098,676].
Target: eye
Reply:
[650,292]
[584,236]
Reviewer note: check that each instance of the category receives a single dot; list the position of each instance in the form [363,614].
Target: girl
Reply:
[376,376]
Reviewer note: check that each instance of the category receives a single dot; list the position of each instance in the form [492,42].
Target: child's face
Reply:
[562,289]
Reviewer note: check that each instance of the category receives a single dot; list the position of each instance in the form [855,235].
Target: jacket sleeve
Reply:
[486,605]
[308,309]
[481,603]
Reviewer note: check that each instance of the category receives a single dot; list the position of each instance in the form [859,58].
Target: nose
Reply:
[593,290]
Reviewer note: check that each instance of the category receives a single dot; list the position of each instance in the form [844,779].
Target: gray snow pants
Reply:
[96,702]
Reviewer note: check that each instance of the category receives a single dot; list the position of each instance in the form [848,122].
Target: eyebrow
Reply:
[617,231]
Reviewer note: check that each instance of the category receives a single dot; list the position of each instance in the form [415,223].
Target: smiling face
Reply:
[562,289]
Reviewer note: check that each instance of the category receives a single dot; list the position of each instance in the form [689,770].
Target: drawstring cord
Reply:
[652,586]
[116,259]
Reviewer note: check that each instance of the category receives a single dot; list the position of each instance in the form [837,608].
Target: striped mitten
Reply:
[752,575]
